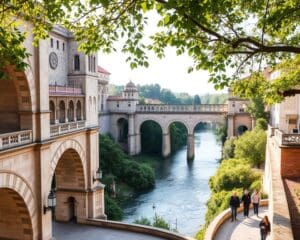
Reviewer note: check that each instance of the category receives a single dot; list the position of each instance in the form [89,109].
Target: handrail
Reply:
[13,139]
[65,90]
[148,230]
[288,139]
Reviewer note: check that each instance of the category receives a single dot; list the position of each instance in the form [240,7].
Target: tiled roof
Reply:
[102,70]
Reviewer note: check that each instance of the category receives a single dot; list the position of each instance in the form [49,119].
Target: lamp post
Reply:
[98,175]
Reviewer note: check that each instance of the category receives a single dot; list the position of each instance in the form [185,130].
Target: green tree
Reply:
[261,124]
[256,108]
[228,148]
[252,146]
[197,100]
[211,32]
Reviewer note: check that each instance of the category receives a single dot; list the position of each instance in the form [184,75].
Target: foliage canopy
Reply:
[219,35]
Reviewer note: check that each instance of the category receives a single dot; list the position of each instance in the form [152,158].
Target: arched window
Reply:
[62,113]
[94,64]
[71,111]
[76,63]
[52,112]
[78,111]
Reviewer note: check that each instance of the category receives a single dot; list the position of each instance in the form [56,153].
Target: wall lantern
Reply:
[51,202]
[98,175]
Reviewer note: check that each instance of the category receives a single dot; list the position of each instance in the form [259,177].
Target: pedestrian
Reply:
[234,204]
[246,199]
[265,228]
[255,199]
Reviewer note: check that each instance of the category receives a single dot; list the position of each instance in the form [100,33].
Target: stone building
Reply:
[49,130]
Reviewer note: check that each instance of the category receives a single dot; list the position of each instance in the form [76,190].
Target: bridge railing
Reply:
[13,139]
[181,108]
[62,128]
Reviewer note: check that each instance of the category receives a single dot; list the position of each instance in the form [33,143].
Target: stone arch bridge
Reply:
[165,115]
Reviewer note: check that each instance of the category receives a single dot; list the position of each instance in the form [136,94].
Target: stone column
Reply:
[138,146]
[230,126]
[166,145]
[131,135]
[190,147]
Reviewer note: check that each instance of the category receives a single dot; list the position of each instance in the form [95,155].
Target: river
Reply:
[181,188]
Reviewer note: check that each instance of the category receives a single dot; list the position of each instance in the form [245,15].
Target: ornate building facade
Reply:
[49,139]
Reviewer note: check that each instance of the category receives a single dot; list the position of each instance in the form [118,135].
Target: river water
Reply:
[181,188]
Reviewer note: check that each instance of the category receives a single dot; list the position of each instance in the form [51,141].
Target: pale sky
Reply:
[169,72]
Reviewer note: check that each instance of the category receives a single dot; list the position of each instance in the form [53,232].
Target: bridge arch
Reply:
[73,148]
[17,199]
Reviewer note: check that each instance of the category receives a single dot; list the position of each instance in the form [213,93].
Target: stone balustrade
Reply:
[56,90]
[182,108]
[290,139]
[13,139]
[62,128]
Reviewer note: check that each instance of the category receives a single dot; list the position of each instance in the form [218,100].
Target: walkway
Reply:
[243,228]
[72,231]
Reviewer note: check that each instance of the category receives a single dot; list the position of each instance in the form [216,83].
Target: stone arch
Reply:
[241,129]
[17,192]
[71,111]
[122,126]
[79,110]
[62,111]
[52,112]
[186,125]
[140,123]
[62,148]
[15,100]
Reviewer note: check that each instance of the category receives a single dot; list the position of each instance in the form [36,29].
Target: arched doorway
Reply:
[69,179]
[241,129]
[15,220]
[78,111]
[52,112]
[151,137]
[122,136]
[62,112]
[71,111]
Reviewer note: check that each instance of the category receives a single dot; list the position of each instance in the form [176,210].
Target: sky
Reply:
[169,72]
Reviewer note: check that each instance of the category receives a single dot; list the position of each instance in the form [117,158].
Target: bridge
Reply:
[126,116]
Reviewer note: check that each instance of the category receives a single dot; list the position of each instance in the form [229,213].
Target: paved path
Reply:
[243,228]
[72,231]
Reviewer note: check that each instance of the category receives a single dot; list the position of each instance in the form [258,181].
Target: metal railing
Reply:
[13,139]
[62,128]
[182,108]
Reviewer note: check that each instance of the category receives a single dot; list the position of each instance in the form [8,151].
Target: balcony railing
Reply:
[13,139]
[291,139]
[66,127]
[182,108]
[56,90]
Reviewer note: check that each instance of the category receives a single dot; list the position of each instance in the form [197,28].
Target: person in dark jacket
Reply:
[234,204]
[265,228]
[246,199]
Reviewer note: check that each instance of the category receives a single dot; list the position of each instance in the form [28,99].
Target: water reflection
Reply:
[181,189]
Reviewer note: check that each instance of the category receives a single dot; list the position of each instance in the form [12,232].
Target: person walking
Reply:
[246,199]
[234,204]
[265,228]
[255,199]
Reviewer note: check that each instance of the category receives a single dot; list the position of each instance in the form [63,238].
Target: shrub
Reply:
[228,148]
[252,146]
[159,222]
[143,221]
[261,124]
[112,209]
[233,173]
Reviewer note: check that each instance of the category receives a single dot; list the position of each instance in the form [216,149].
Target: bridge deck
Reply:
[243,228]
